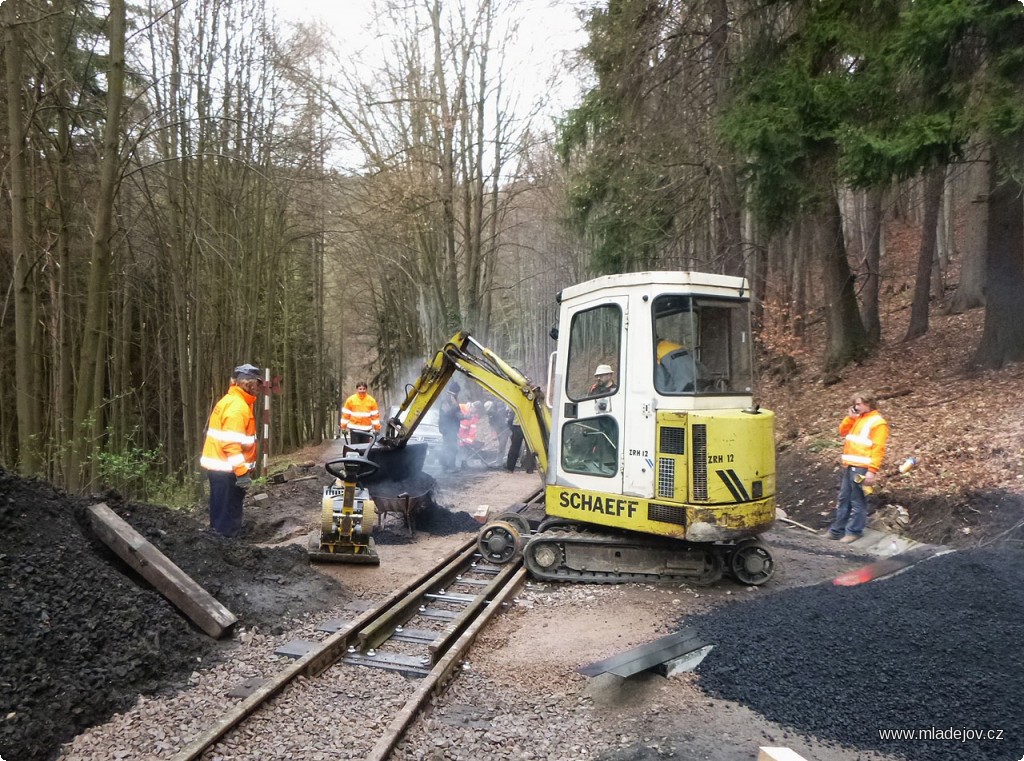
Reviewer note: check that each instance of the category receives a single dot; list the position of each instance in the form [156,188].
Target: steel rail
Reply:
[373,627]
[378,630]
[313,663]
[442,671]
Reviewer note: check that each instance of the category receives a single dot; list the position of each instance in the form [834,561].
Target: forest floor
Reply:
[964,427]
[81,637]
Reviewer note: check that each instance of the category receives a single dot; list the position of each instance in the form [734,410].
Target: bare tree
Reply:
[27,409]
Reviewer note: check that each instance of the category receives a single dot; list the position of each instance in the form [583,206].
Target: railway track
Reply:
[422,631]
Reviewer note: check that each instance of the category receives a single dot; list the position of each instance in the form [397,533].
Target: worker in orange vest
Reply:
[865,433]
[229,452]
[360,415]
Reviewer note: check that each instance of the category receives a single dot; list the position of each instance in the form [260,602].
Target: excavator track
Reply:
[599,558]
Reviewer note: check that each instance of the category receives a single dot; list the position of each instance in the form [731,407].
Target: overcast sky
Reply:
[550,31]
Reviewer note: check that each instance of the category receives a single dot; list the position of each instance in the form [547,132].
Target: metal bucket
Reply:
[403,497]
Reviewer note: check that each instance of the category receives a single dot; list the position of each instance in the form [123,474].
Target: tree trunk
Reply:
[91,364]
[872,264]
[728,219]
[932,200]
[27,405]
[970,292]
[1002,339]
[847,341]
[943,237]
[446,128]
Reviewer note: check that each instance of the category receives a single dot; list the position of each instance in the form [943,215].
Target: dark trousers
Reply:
[225,504]
[360,437]
[450,449]
[515,446]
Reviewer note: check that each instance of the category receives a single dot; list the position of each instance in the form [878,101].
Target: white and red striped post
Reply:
[266,421]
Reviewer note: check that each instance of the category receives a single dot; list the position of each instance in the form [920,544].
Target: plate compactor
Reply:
[347,516]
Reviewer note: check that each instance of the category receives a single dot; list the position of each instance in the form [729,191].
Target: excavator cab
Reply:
[677,448]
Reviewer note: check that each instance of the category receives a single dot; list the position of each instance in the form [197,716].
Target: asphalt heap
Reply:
[82,635]
[937,648]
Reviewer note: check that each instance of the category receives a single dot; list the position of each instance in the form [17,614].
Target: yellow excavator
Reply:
[657,463]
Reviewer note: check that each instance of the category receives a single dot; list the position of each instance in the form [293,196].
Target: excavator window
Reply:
[590,446]
[595,339]
[701,346]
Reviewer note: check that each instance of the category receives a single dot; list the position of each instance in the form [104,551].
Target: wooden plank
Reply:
[778,754]
[173,583]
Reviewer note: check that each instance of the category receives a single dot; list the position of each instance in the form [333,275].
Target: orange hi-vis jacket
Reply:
[231,434]
[360,414]
[864,442]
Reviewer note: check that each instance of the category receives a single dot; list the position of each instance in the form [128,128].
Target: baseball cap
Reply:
[246,372]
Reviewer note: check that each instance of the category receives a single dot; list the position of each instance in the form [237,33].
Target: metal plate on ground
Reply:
[410,665]
[297,648]
[674,646]
[686,662]
[332,625]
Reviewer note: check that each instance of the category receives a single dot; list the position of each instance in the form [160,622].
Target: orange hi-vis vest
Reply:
[231,434]
[360,414]
[864,442]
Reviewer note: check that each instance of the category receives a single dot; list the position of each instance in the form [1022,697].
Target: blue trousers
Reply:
[225,504]
[852,510]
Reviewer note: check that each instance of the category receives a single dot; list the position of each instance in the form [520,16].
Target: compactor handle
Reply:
[351,468]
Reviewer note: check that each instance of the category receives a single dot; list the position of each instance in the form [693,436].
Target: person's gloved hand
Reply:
[243,482]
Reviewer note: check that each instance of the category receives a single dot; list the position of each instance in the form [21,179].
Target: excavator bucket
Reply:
[401,464]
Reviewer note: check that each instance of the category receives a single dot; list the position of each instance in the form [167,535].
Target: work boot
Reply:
[849,538]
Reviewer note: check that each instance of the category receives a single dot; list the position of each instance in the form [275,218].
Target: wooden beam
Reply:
[173,583]
[778,754]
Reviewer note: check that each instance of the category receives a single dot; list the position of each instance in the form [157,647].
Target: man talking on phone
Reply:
[865,433]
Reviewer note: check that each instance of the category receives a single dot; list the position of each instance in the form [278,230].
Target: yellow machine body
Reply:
[712,472]
[347,519]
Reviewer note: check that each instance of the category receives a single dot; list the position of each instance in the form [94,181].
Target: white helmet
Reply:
[602,370]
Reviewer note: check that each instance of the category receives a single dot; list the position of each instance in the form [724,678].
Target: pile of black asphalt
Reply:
[430,518]
[934,652]
[83,635]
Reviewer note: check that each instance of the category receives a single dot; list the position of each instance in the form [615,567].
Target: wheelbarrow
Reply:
[403,497]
